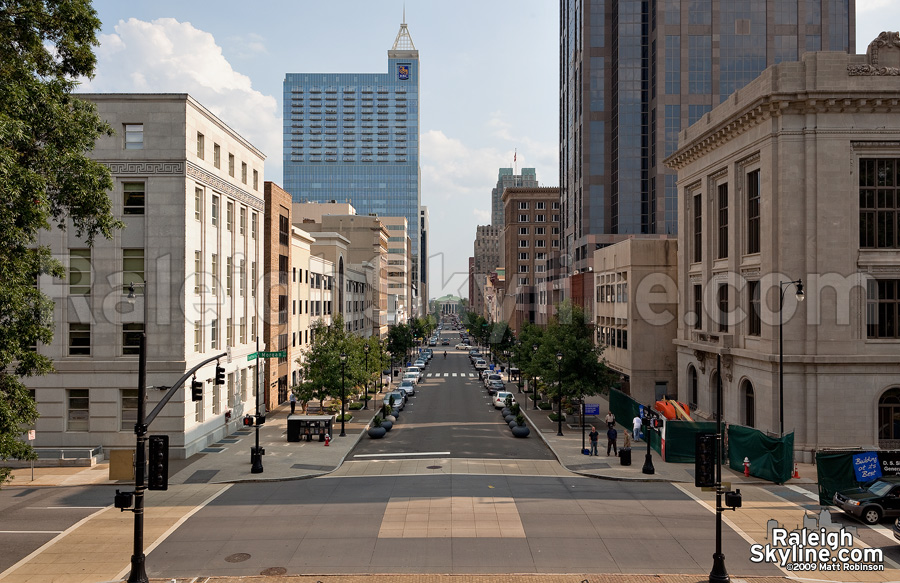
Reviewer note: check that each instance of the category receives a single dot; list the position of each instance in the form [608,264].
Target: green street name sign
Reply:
[278,354]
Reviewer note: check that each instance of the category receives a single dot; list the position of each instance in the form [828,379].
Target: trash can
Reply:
[625,456]
[294,428]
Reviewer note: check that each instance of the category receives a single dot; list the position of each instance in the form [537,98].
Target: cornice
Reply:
[225,187]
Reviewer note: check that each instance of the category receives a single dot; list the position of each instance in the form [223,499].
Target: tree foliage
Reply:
[46,178]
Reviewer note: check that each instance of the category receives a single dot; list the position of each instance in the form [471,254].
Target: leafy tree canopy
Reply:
[46,178]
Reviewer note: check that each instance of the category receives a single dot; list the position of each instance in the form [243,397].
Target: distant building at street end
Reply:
[507,178]
[635,307]
[796,179]
[488,258]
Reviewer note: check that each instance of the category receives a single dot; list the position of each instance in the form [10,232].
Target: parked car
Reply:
[408,387]
[399,399]
[462,346]
[474,354]
[492,376]
[495,386]
[412,376]
[445,342]
[480,364]
[897,529]
[499,399]
[879,499]
[419,371]
[432,342]
[420,363]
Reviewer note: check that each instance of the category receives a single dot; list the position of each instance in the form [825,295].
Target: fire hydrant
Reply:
[747,467]
[328,438]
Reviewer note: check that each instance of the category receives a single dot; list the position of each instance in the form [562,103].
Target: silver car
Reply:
[408,387]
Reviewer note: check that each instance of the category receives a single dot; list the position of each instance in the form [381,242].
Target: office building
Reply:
[635,73]
[506,178]
[354,137]
[487,259]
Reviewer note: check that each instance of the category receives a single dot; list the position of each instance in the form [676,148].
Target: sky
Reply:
[489,83]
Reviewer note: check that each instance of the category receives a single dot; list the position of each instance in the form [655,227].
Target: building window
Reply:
[128,405]
[243,220]
[198,272]
[523,205]
[80,272]
[723,308]
[723,221]
[540,243]
[523,243]
[244,172]
[229,333]
[698,228]
[539,230]
[78,411]
[753,212]
[879,203]
[229,275]
[242,338]
[284,227]
[253,221]
[214,335]
[131,337]
[523,218]
[523,230]
[133,270]
[255,180]
[214,268]
[540,206]
[889,414]
[523,281]
[201,145]
[229,216]
[253,279]
[198,336]
[749,404]
[198,203]
[693,389]
[242,281]
[253,328]
[753,309]
[217,399]
[133,198]
[134,136]
[231,165]
[215,211]
[523,256]
[882,308]
[698,307]
[79,339]
[540,218]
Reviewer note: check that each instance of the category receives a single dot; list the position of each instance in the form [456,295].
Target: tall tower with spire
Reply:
[354,137]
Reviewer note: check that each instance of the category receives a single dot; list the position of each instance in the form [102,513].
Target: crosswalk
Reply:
[451,374]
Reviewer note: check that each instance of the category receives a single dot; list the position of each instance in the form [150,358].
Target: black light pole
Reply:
[719,573]
[343,363]
[534,349]
[559,357]
[390,356]
[800,297]
[508,372]
[256,466]
[648,459]
[138,571]
[366,397]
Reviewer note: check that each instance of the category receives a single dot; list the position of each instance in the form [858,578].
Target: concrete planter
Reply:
[521,431]
[387,425]
[377,432]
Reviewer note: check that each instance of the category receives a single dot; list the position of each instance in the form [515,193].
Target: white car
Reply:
[480,364]
[492,376]
[407,387]
[411,376]
[499,400]
[420,372]
[462,346]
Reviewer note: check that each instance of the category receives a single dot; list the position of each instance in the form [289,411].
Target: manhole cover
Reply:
[237,558]
[273,571]
[433,467]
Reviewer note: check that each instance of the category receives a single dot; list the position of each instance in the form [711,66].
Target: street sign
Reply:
[278,354]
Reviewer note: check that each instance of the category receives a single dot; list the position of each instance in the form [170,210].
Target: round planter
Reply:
[522,431]
[391,418]
[505,412]
[395,412]
[509,418]
[377,432]
[387,425]
[512,423]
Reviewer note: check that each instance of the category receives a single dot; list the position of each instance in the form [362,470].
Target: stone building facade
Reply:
[794,178]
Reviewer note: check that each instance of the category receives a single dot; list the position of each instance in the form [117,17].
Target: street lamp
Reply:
[508,373]
[559,393]
[343,363]
[138,571]
[366,394]
[783,285]
[534,349]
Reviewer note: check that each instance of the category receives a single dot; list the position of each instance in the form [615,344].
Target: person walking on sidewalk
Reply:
[293,402]
[637,423]
[610,420]
[595,437]
[611,435]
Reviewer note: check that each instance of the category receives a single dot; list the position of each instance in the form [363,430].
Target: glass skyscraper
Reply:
[354,137]
[634,73]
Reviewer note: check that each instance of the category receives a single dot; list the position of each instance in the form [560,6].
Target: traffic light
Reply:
[158,475]
[705,459]
[196,390]
[220,375]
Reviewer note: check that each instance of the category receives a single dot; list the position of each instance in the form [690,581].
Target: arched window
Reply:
[889,414]
[692,387]
[747,399]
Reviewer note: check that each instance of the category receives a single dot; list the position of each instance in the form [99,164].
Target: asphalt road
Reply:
[451,416]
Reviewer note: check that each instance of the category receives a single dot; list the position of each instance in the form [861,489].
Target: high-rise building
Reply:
[635,73]
[487,259]
[506,178]
[354,137]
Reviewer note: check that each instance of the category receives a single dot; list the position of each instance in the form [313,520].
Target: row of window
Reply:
[523,218]
[538,243]
[215,214]
[81,278]
[538,205]
[217,160]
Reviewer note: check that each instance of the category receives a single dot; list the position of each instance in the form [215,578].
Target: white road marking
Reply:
[447,374]
[800,490]
[402,454]
[65,508]
[31,531]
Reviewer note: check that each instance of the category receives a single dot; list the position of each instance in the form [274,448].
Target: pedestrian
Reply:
[611,435]
[627,443]
[637,423]
[595,437]
[610,420]
[293,402]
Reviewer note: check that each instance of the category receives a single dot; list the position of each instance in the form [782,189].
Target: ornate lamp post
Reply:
[559,357]
[366,397]
[783,285]
[534,349]
[343,364]
[138,572]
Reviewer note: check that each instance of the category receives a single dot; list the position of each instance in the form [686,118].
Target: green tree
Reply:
[46,179]
[400,342]
[321,366]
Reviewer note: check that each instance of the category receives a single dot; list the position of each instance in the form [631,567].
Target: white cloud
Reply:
[168,56]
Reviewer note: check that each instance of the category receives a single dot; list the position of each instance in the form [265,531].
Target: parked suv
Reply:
[870,504]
